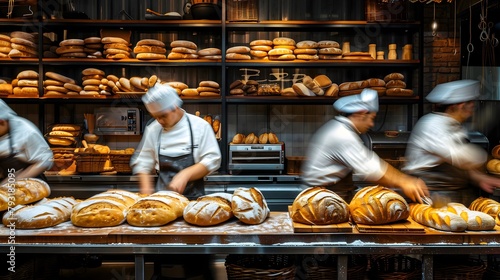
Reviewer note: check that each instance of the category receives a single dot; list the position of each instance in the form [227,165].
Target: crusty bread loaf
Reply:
[103,209]
[209,210]
[437,218]
[376,205]
[249,206]
[45,213]
[476,220]
[157,209]
[238,138]
[488,206]
[319,206]
[24,191]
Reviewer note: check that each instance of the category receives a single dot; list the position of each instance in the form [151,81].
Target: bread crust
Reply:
[157,209]
[319,206]
[249,206]
[209,210]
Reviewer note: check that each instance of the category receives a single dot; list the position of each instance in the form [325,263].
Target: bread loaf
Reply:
[437,218]
[249,206]
[104,209]
[476,220]
[319,206]
[22,191]
[376,205]
[209,210]
[157,209]
[46,213]
[488,206]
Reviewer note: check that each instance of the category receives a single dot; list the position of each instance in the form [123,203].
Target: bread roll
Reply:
[377,205]
[319,206]
[437,218]
[283,41]
[476,220]
[251,138]
[66,127]
[22,191]
[488,206]
[322,81]
[157,209]
[272,138]
[238,138]
[249,206]
[104,209]
[394,76]
[263,138]
[46,213]
[209,210]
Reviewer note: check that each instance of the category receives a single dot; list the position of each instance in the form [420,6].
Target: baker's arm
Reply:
[412,187]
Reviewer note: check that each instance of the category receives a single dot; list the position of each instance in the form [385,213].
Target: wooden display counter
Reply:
[275,236]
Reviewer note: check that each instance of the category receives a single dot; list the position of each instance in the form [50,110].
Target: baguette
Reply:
[488,206]
[249,206]
[319,206]
[157,209]
[476,220]
[24,191]
[209,210]
[378,205]
[46,213]
[104,209]
[437,218]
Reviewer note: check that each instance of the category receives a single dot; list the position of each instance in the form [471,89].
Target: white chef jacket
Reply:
[28,144]
[177,142]
[437,138]
[337,150]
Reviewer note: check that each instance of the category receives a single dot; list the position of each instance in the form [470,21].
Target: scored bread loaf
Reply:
[157,209]
[249,206]
[104,209]
[319,206]
[377,205]
[476,220]
[209,210]
[45,213]
[22,191]
[488,206]
[437,218]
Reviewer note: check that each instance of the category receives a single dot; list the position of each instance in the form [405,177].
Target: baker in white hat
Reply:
[336,151]
[438,150]
[180,147]
[24,153]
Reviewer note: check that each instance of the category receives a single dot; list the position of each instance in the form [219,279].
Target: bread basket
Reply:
[325,267]
[90,162]
[395,267]
[279,267]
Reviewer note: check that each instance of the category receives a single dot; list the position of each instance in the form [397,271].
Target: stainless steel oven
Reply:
[260,158]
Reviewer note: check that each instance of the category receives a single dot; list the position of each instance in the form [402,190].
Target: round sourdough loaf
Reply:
[319,206]
[377,205]
[157,209]
[209,210]
[249,206]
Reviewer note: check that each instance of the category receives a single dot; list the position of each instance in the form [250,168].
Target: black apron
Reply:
[169,166]
[10,164]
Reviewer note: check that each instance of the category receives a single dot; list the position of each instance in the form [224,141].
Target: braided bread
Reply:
[378,205]
[157,209]
[437,218]
[22,191]
[46,213]
[319,206]
[488,206]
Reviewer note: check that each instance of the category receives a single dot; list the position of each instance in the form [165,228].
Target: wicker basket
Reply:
[467,269]
[121,163]
[251,267]
[327,267]
[90,163]
[493,268]
[396,267]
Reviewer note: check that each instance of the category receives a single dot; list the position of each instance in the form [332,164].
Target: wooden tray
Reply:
[406,226]
[298,227]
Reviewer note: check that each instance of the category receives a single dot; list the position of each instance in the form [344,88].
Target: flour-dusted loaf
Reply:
[377,205]
[45,213]
[250,206]
[157,209]
[103,209]
[476,220]
[437,218]
[22,191]
[488,206]
[209,210]
[319,206]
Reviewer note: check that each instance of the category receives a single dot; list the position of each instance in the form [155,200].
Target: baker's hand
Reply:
[489,183]
[179,181]
[415,189]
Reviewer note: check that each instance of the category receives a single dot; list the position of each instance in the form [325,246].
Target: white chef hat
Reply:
[367,100]
[5,111]
[454,92]
[161,97]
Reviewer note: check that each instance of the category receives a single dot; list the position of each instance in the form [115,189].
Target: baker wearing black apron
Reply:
[170,166]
